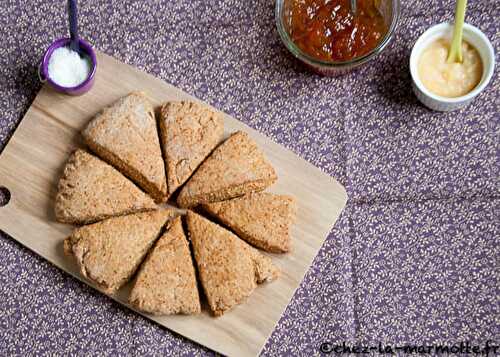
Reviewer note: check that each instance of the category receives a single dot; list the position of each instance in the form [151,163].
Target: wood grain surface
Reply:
[32,162]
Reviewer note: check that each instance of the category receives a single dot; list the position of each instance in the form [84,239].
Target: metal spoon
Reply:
[455,53]
[73,26]
[353,7]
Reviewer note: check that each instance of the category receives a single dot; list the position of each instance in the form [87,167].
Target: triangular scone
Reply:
[235,168]
[189,131]
[262,219]
[166,282]
[227,266]
[91,190]
[110,251]
[126,136]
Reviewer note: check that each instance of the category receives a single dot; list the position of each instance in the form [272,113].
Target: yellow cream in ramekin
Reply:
[449,79]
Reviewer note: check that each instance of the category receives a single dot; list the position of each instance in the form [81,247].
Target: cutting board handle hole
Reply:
[4,196]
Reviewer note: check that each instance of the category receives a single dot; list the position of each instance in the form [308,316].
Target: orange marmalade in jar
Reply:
[329,31]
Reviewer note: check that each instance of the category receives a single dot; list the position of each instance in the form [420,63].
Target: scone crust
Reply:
[126,136]
[227,266]
[166,281]
[90,190]
[262,219]
[189,131]
[234,168]
[110,251]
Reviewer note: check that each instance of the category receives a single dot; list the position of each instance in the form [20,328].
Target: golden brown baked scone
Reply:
[262,219]
[235,168]
[189,131]
[126,136]
[91,190]
[166,282]
[110,251]
[227,266]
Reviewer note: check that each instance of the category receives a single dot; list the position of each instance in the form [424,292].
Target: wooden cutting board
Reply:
[33,160]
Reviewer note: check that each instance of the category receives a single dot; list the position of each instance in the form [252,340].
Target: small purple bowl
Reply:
[43,69]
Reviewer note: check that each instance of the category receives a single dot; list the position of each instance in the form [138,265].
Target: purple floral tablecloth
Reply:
[415,256]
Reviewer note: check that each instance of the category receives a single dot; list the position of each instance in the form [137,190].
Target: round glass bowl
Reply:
[389,9]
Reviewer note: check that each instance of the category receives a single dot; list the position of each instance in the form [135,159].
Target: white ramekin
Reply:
[472,35]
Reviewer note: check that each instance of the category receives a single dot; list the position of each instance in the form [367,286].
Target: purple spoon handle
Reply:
[73,25]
